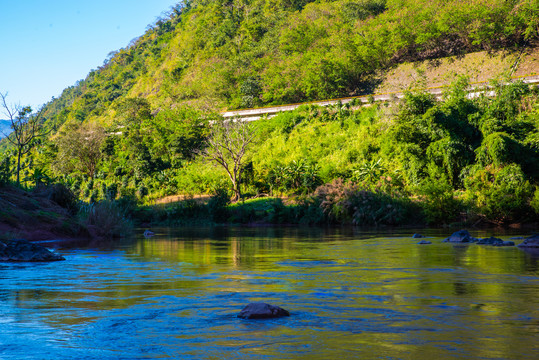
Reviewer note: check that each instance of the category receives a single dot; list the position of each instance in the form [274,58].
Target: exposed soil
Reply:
[33,216]
[479,67]
[176,198]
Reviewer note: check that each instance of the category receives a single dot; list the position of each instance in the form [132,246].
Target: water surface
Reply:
[352,294]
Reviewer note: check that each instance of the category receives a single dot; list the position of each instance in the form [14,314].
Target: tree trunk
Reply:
[236,184]
[237,192]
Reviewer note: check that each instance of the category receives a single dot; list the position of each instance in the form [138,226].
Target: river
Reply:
[352,295]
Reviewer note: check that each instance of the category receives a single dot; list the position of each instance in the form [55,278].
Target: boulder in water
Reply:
[22,250]
[506,243]
[531,242]
[262,311]
[461,236]
[490,241]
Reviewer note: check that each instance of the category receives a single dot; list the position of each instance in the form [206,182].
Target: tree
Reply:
[79,148]
[226,145]
[27,128]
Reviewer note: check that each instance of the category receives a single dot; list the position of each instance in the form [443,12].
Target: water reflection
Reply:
[352,294]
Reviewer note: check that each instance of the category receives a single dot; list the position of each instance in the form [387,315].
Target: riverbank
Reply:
[47,213]
[363,209]
[42,214]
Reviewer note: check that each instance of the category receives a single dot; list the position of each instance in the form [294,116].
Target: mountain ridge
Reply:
[5,127]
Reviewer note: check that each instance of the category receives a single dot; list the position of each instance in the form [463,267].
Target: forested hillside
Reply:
[232,54]
[136,126]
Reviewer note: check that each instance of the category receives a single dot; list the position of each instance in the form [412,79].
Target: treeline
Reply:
[419,161]
[415,161]
[136,126]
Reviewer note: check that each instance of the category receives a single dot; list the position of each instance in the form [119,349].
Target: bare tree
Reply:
[27,127]
[79,148]
[226,145]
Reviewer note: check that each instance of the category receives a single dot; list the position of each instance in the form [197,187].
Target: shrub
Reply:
[535,201]
[348,203]
[500,194]
[299,176]
[217,205]
[5,174]
[438,203]
[187,211]
[63,196]
[142,191]
[111,191]
[105,218]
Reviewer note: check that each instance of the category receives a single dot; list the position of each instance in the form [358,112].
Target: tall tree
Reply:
[27,128]
[79,148]
[226,145]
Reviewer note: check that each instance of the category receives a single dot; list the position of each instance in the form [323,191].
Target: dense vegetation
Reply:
[239,53]
[135,128]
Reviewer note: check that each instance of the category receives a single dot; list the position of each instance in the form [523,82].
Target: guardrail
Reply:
[268,112]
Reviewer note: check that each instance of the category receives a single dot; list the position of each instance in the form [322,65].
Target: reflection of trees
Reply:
[240,252]
[531,260]
[462,285]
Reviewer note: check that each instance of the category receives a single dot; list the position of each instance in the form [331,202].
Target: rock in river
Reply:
[262,311]
[531,242]
[490,241]
[461,236]
[22,250]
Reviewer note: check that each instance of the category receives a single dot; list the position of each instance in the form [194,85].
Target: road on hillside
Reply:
[254,114]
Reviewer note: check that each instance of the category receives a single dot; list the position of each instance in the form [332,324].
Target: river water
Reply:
[352,295]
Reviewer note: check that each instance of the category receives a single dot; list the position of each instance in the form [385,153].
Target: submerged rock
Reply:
[262,311]
[461,236]
[22,250]
[148,233]
[424,242]
[417,236]
[490,241]
[506,243]
[531,242]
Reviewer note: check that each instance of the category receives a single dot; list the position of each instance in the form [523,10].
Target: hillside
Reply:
[37,215]
[479,67]
[135,127]
[5,127]
[215,55]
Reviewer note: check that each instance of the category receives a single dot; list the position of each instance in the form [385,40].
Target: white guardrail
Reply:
[269,112]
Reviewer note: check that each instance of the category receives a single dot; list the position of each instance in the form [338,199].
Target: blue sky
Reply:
[47,45]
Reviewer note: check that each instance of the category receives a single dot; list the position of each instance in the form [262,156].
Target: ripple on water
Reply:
[355,298]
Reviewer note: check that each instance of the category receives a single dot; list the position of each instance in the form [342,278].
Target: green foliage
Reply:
[297,176]
[349,203]
[438,202]
[500,194]
[134,128]
[535,201]
[239,53]
[5,173]
[217,205]
[368,172]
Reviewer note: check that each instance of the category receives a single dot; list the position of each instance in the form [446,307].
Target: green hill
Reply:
[134,126]
[222,54]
